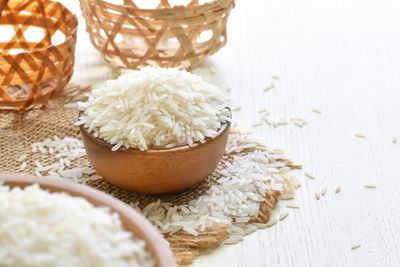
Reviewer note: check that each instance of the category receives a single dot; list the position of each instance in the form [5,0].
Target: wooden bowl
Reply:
[131,219]
[156,171]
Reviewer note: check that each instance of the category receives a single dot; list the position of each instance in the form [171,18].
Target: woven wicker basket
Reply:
[32,66]
[179,36]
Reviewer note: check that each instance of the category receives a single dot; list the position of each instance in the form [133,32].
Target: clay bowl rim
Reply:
[68,35]
[159,251]
[101,142]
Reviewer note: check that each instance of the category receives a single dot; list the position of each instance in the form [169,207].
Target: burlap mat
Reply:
[18,130]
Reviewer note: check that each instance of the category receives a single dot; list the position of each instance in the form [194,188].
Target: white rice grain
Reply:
[323,191]
[317,195]
[287,196]
[338,189]
[22,157]
[233,240]
[271,222]
[190,231]
[250,229]
[283,215]
[23,165]
[316,110]
[309,175]
[256,124]
[242,219]
[298,124]
[282,122]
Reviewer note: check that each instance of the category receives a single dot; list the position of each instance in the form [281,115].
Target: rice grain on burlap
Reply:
[18,130]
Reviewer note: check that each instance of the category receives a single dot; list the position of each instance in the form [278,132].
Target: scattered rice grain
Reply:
[256,124]
[287,197]
[282,122]
[338,188]
[316,110]
[271,222]
[23,165]
[298,124]
[190,231]
[309,175]
[22,157]
[268,121]
[283,215]
[323,191]
[317,195]
[71,105]
[250,229]
[233,240]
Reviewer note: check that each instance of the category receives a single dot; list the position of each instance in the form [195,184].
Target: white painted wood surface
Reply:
[342,57]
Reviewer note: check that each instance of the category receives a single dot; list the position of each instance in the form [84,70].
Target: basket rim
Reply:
[68,38]
[212,3]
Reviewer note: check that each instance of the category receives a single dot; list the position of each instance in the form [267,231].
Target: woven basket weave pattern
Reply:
[180,36]
[31,71]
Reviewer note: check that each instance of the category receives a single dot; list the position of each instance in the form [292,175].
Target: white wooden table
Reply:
[342,57]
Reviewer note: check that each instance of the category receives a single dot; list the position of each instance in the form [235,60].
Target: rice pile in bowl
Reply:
[38,228]
[155,108]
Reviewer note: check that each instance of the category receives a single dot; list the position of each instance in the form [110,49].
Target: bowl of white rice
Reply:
[49,222]
[156,130]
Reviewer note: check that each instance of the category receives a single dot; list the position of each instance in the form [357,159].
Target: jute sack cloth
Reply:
[18,130]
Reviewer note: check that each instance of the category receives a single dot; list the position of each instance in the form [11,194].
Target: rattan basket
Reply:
[32,65]
[179,36]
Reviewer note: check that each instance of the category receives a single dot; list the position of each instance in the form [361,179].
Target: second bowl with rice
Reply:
[50,222]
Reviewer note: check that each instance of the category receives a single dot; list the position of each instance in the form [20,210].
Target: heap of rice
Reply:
[155,107]
[236,197]
[68,151]
[38,228]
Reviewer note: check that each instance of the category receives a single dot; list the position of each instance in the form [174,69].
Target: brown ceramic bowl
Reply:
[156,171]
[131,220]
